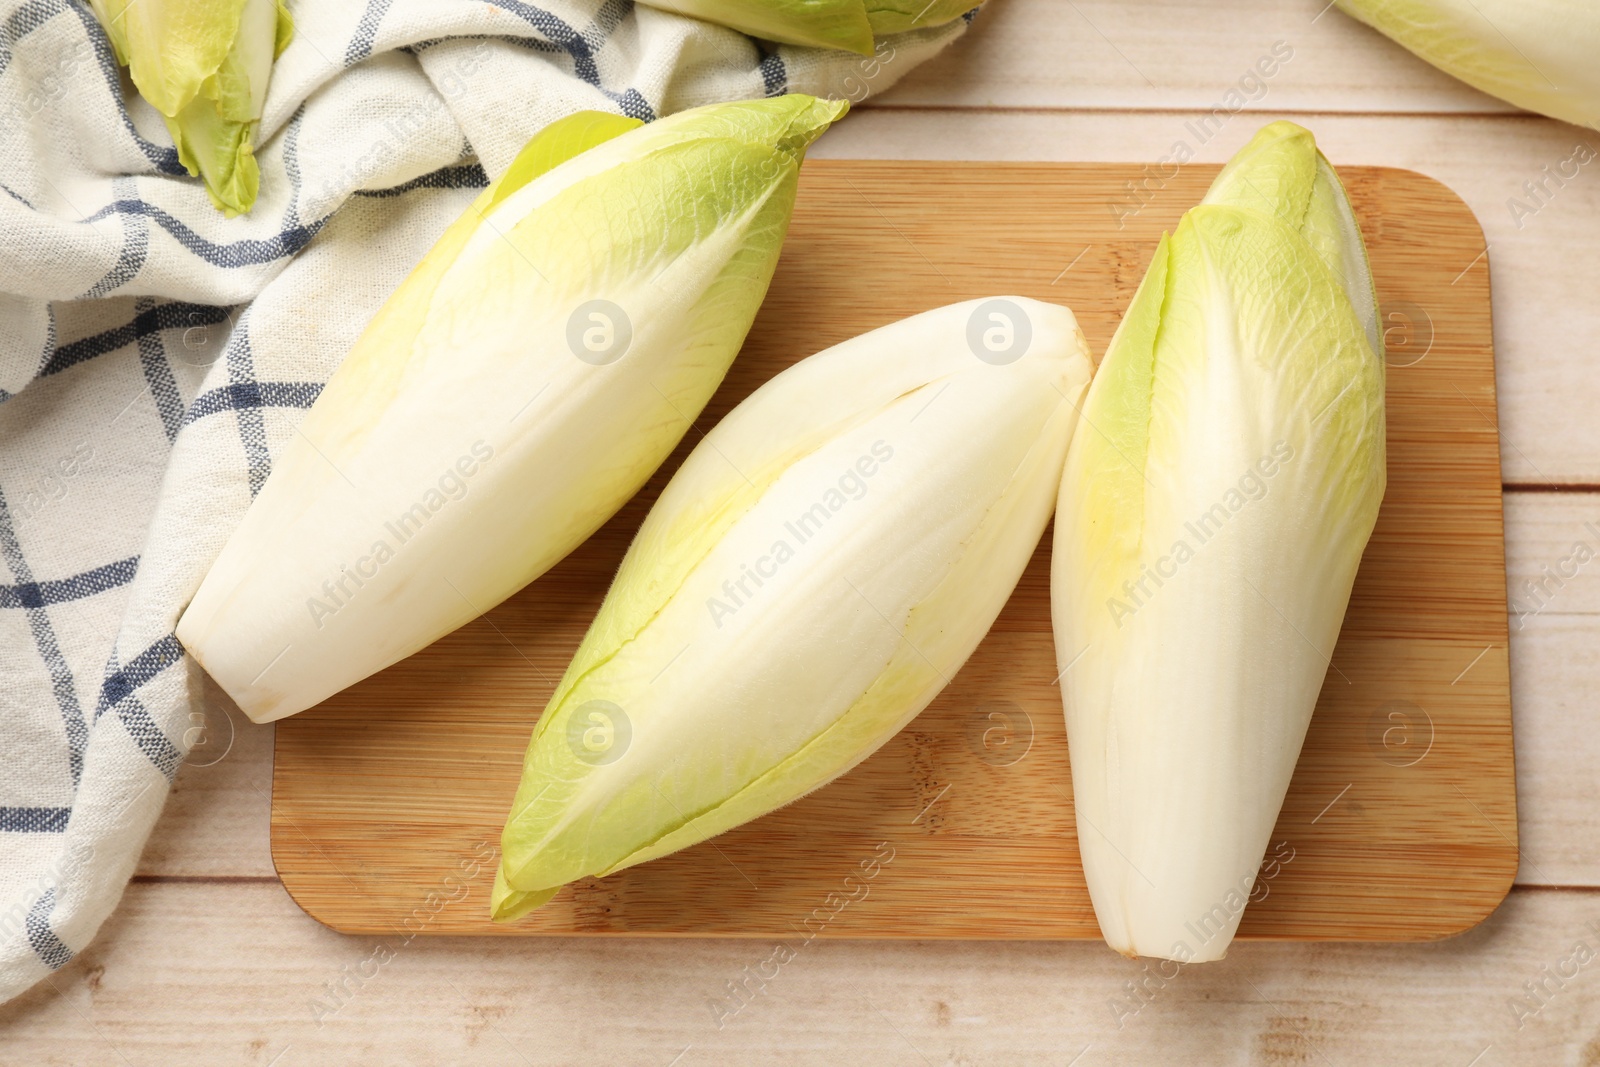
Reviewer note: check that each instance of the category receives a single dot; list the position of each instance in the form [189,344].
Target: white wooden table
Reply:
[209,962]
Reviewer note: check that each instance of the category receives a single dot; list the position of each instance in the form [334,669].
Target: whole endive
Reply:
[1537,54]
[818,569]
[521,384]
[848,24]
[1221,487]
[204,64]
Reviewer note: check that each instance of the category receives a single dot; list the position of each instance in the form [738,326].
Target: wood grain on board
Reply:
[1402,814]
[1544,307]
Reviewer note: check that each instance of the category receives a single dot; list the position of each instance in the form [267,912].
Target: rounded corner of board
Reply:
[1475,918]
[294,894]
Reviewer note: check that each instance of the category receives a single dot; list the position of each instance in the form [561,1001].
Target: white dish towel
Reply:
[154,355]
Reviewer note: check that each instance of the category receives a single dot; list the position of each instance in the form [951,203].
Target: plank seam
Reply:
[1551,487]
[1068,109]
[205,879]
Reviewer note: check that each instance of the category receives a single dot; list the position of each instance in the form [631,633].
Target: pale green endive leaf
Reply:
[204,65]
[535,368]
[1537,54]
[816,23]
[898,16]
[847,24]
[1224,480]
[811,577]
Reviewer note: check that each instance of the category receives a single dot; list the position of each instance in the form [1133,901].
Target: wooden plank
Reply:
[1552,555]
[1174,54]
[1555,674]
[1402,816]
[1543,268]
[208,974]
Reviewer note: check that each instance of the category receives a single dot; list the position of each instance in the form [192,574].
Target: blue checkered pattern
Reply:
[155,355]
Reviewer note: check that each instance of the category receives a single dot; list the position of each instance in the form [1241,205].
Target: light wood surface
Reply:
[250,982]
[1401,819]
[1119,55]
[208,961]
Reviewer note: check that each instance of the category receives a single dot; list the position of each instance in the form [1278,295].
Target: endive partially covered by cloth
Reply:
[521,384]
[848,24]
[1537,54]
[1221,487]
[818,569]
[204,64]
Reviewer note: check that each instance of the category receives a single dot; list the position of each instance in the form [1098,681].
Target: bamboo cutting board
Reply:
[1401,820]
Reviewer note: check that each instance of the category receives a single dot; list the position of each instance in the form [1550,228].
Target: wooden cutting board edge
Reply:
[284,829]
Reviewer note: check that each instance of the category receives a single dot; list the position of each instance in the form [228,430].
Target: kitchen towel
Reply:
[154,355]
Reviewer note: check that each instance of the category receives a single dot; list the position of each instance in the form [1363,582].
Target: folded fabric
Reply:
[154,355]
